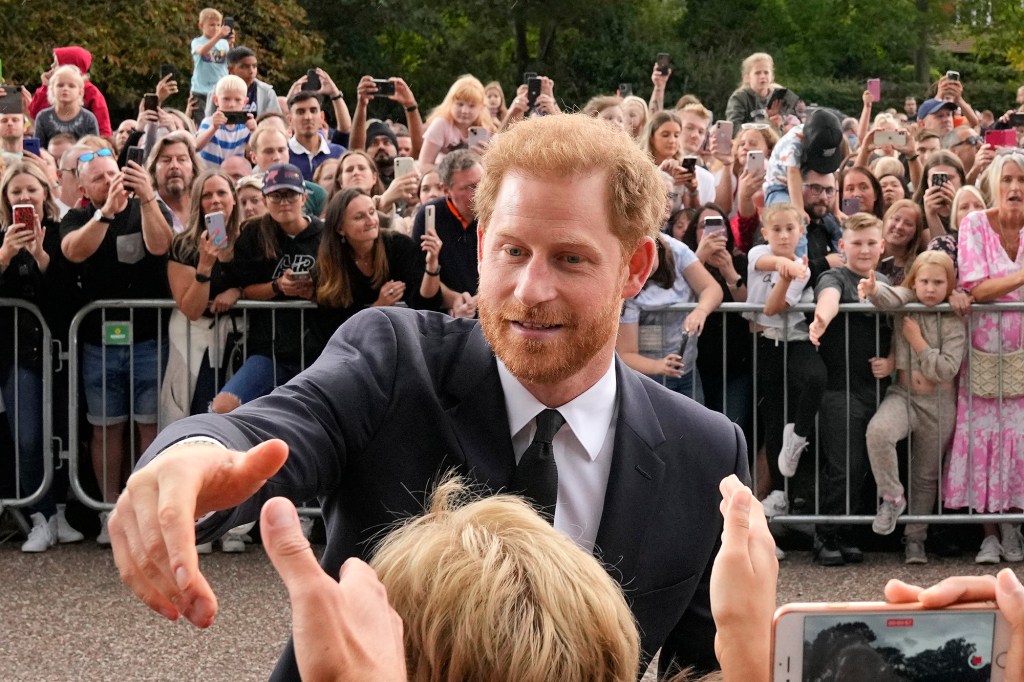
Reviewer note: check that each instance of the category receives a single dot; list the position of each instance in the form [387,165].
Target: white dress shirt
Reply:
[583,451]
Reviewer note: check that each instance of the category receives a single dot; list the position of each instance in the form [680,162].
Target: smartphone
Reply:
[136,154]
[755,161]
[875,88]
[312,80]
[150,101]
[230,22]
[851,205]
[778,94]
[897,138]
[532,92]
[302,276]
[688,351]
[216,229]
[689,163]
[404,165]
[478,135]
[939,179]
[430,219]
[11,102]
[168,70]
[1017,119]
[24,214]
[1001,138]
[663,62]
[527,75]
[893,641]
[236,117]
[30,144]
[385,88]
[723,137]
[953,76]
[713,224]
[625,90]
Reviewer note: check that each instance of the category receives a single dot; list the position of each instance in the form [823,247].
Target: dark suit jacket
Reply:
[399,397]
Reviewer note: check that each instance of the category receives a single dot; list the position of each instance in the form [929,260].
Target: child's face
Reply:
[210,27]
[67,89]
[931,285]
[231,101]
[863,249]
[782,233]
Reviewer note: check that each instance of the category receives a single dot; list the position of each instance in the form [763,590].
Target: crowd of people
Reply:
[248,196]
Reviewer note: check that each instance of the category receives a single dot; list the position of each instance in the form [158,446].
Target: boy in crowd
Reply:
[858,371]
[783,349]
[209,56]
[218,138]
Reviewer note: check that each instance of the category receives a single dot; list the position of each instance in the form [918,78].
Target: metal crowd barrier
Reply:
[24,498]
[810,465]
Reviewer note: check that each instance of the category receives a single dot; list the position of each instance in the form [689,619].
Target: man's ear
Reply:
[842,246]
[641,262]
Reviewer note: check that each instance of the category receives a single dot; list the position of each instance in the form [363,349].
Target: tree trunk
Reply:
[921,67]
[522,48]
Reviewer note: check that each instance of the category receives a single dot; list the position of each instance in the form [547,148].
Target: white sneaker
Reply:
[104,537]
[43,535]
[990,552]
[888,512]
[1012,542]
[775,504]
[792,447]
[204,548]
[232,542]
[307,526]
[65,532]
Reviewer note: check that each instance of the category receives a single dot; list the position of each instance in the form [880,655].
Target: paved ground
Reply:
[64,615]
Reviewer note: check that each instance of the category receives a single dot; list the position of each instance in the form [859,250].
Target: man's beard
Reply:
[175,187]
[546,362]
[385,164]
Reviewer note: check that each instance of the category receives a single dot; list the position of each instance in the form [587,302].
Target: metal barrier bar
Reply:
[21,497]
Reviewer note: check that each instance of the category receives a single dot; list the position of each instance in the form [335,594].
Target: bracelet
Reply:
[913,158]
[412,107]
[241,293]
[337,97]
[435,273]
[201,278]
[276,288]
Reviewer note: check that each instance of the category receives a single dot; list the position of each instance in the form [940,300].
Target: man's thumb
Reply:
[284,543]
[263,461]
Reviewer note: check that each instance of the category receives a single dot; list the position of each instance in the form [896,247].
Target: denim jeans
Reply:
[24,405]
[132,377]
[256,377]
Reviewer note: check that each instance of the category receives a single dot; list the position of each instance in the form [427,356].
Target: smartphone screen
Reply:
[385,88]
[953,75]
[663,62]
[31,145]
[875,88]
[312,80]
[236,117]
[216,229]
[908,646]
[689,163]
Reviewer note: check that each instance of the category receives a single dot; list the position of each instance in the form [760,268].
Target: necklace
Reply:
[1009,245]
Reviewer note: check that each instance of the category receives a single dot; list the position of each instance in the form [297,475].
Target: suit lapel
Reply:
[477,414]
[635,478]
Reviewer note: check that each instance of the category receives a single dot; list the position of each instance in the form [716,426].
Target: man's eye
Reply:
[514,251]
[573,259]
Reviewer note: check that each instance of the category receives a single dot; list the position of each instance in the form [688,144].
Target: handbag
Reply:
[997,374]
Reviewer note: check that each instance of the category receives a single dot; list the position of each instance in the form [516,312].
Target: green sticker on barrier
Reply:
[117,333]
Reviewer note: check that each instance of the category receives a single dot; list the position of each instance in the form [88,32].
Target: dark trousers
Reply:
[845,467]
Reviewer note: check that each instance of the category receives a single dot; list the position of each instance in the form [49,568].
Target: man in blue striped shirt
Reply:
[219,135]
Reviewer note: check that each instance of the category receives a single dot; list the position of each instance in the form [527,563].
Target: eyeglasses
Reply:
[284,197]
[89,156]
[818,189]
[972,140]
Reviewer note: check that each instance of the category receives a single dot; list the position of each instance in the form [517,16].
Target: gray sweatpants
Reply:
[929,420]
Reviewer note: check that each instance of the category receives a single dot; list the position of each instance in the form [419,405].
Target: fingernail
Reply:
[169,614]
[281,515]
[181,577]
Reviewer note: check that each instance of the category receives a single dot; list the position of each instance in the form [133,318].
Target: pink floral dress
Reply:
[986,467]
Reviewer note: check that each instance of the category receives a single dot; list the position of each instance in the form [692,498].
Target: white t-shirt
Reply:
[789,325]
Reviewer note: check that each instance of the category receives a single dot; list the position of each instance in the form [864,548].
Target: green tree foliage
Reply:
[129,40]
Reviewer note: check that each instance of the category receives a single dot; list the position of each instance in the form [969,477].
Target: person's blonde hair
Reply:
[989,184]
[488,590]
[862,221]
[574,145]
[496,87]
[466,88]
[209,13]
[749,62]
[230,83]
[695,108]
[937,258]
[770,212]
[954,208]
[17,168]
[887,165]
[66,71]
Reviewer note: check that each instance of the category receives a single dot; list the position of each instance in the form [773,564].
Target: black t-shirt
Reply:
[458,246]
[220,281]
[121,268]
[869,335]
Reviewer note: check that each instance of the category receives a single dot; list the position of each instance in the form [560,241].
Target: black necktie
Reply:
[536,477]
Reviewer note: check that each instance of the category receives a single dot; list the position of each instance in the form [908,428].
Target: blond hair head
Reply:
[469,89]
[938,259]
[209,13]
[70,72]
[230,83]
[488,590]
[567,145]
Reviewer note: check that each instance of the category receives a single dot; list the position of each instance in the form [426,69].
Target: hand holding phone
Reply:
[723,137]
[478,136]
[312,81]
[150,101]
[404,165]
[235,117]
[533,92]
[136,154]
[24,214]
[385,87]
[850,205]
[689,164]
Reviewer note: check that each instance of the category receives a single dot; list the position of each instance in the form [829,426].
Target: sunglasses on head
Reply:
[86,158]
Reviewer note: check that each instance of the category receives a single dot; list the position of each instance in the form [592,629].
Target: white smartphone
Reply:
[429,219]
[478,135]
[217,230]
[897,138]
[713,224]
[723,137]
[755,161]
[894,641]
[404,165]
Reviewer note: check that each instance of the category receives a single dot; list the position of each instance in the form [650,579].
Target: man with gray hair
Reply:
[455,224]
[172,166]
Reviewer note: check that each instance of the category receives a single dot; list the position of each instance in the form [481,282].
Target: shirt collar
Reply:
[296,147]
[455,212]
[589,414]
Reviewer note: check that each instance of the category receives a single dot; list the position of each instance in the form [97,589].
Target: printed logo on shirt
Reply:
[295,263]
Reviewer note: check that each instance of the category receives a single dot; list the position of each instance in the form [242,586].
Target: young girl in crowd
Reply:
[66,113]
[607,108]
[495,98]
[636,114]
[926,353]
[784,352]
[448,125]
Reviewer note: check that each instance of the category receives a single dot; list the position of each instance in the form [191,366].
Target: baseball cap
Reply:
[930,106]
[283,176]
[822,144]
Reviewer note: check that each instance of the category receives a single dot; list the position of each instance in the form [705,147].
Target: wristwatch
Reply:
[100,218]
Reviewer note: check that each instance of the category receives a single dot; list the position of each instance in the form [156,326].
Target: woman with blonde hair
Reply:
[448,125]
[901,228]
